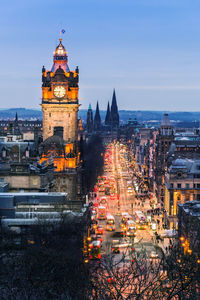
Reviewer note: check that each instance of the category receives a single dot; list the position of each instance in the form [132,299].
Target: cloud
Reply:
[178,87]
[144,87]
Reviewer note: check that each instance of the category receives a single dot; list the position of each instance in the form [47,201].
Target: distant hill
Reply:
[142,116]
[23,113]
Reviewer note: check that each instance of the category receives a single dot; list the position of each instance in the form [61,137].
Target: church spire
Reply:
[89,119]
[97,118]
[108,115]
[16,117]
[16,126]
[114,111]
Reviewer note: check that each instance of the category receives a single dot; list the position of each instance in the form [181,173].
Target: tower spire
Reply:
[60,58]
[89,119]
[16,117]
[108,116]
[114,112]
[97,118]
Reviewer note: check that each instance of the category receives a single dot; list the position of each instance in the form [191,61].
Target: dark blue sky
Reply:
[149,50]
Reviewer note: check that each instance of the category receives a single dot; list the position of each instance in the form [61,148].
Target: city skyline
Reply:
[147,50]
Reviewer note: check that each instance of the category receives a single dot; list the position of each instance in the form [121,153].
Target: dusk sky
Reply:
[148,50]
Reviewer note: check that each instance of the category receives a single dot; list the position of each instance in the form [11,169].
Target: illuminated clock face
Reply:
[59,91]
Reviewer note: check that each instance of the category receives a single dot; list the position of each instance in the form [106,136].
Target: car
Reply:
[93,212]
[115,246]
[124,243]
[131,232]
[99,238]
[110,227]
[99,230]
[153,254]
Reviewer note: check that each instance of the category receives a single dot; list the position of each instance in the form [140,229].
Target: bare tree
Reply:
[175,276]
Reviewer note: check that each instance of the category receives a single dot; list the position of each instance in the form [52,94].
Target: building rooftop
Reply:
[190,166]
[191,207]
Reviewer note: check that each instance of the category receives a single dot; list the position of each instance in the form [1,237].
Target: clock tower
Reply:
[60,98]
[60,124]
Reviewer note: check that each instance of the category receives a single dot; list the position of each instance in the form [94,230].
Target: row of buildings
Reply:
[41,168]
[169,159]
[43,160]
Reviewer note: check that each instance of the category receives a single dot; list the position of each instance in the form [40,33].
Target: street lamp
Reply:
[182,239]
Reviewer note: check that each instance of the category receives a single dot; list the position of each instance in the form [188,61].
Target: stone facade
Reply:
[163,143]
[64,115]
[182,184]
[21,177]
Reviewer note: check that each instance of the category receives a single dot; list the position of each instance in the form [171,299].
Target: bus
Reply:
[110,222]
[140,220]
[131,228]
[101,212]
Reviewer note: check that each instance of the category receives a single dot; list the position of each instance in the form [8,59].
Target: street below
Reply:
[118,195]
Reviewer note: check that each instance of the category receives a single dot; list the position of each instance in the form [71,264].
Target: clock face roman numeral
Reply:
[59,91]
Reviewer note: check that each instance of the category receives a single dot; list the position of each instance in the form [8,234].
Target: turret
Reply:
[166,127]
[60,58]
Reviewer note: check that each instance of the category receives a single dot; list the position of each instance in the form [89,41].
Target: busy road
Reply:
[120,208]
